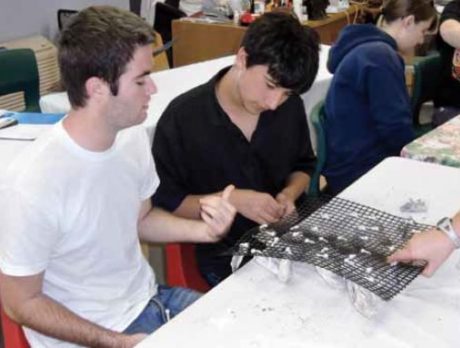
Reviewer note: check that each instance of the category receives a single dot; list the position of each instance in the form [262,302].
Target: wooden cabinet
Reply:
[196,41]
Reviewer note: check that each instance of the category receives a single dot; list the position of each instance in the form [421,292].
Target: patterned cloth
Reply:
[441,145]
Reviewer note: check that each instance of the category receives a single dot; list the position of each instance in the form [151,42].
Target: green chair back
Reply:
[317,117]
[427,78]
[19,72]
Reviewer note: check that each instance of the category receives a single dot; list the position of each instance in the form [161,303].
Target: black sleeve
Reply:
[451,11]
[306,160]
[168,154]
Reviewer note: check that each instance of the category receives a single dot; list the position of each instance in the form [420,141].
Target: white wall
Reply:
[22,18]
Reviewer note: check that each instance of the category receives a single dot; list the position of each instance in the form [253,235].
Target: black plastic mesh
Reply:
[347,238]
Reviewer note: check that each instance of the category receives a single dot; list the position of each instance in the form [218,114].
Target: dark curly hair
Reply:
[289,49]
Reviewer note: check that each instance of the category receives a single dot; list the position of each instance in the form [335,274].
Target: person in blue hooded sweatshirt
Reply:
[368,113]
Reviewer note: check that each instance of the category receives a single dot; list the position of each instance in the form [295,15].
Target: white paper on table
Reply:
[24,132]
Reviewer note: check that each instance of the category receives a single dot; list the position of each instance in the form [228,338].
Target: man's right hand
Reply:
[432,246]
[257,206]
[218,214]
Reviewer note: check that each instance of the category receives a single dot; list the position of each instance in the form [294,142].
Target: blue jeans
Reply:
[212,278]
[166,304]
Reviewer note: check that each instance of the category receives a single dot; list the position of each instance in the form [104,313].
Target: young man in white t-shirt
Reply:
[74,206]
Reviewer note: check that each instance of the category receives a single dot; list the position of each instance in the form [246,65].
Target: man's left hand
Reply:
[287,202]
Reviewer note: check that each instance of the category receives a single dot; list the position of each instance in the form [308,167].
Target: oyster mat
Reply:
[347,238]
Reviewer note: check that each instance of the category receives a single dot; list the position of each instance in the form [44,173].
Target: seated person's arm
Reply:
[158,225]
[256,206]
[450,32]
[299,179]
[172,192]
[22,299]
[190,207]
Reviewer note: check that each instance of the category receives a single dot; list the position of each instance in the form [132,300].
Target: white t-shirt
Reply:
[73,213]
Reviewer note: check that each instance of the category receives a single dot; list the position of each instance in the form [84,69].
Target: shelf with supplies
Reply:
[197,41]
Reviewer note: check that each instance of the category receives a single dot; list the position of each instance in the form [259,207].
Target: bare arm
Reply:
[450,32]
[157,225]
[23,300]
[190,207]
[256,206]
[432,246]
[263,208]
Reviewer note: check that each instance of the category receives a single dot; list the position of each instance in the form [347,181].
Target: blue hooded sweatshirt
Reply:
[368,112]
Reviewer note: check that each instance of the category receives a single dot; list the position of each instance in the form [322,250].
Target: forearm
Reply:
[296,185]
[160,226]
[190,207]
[50,318]
[450,32]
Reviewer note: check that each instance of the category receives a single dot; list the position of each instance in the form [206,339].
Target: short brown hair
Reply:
[99,42]
[422,10]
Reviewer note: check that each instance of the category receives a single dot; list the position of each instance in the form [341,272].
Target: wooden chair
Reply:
[164,15]
[159,54]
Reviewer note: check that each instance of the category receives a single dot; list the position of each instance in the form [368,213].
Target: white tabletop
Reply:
[173,82]
[10,147]
[252,308]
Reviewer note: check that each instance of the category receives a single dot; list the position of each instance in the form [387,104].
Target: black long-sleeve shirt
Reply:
[198,150]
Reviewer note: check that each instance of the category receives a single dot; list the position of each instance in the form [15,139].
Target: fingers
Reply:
[401,255]
[265,217]
[287,204]
[282,198]
[406,255]
[212,228]
[289,208]
[222,214]
[217,213]
[429,270]
[217,203]
[429,249]
[272,210]
[218,221]
[227,191]
[268,213]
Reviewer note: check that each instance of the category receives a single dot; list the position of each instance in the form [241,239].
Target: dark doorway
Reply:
[135,6]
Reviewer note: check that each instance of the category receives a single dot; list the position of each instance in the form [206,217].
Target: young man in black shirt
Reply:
[246,126]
